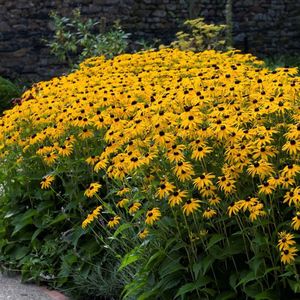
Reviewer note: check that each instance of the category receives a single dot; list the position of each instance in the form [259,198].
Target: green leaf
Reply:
[233,279]
[59,219]
[266,295]
[11,213]
[250,276]
[170,267]
[190,287]
[203,265]
[75,235]
[122,228]
[226,295]
[295,286]
[155,258]
[129,258]
[36,233]
[255,264]
[19,252]
[214,240]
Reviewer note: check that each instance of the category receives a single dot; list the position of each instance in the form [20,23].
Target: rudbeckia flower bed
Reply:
[187,162]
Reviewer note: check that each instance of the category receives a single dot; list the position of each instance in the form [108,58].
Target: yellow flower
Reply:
[123,191]
[50,158]
[288,255]
[204,180]
[290,170]
[47,181]
[134,207]
[92,190]
[285,240]
[164,189]
[183,170]
[226,184]
[296,221]
[144,233]
[152,216]
[113,221]
[176,197]
[65,150]
[190,206]
[233,208]
[201,151]
[91,217]
[260,168]
[122,202]
[248,203]
[292,147]
[209,213]
[92,160]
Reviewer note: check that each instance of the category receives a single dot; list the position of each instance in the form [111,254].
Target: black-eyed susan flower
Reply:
[122,203]
[208,191]
[292,147]
[285,240]
[65,150]
[50,158]
[204,180]
[290,170]
[177,197]
[287,182]
[152,216]
[226,184]
[248,203]
[91,217]
[134,207]
[92,160]
[214,200]
[233,208]
[209,213]
[164,189]
[288,255]
[92,189]
[190,206]
[266,188]
[296,221]
[261,168]
[201,151]
[292,196]
[113,221]
[47,181]
[122,191]
[256,211]
[184,170]
[100,165]
[143,233]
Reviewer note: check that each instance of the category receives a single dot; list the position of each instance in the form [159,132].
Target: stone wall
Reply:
[260,26]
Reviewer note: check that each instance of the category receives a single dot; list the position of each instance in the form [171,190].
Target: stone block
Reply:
[4,27]
[159,13]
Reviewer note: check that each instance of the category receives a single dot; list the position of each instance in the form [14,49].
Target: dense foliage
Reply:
[189,163]
[76,39]
[8,91]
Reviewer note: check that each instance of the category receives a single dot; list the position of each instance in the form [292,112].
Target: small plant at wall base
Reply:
[75,39]
[8,91]
[200,36]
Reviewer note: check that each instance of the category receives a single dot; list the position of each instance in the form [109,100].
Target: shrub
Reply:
[182,166]
[8,91]
[200,36]
[76,39]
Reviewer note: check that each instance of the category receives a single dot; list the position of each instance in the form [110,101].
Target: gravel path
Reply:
[12,289]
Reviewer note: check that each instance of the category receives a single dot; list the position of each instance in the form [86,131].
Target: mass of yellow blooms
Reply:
[204,133]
